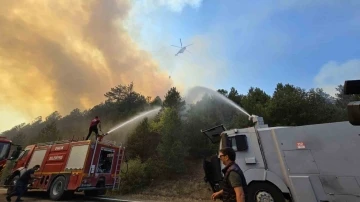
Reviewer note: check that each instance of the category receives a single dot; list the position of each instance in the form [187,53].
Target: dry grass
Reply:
[189,187]
[152,198]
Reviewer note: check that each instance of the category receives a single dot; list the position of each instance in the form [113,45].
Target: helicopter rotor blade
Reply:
[180,42]
[176,46]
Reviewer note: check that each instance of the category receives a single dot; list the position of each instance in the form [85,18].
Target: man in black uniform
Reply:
[235,186]
[21,184]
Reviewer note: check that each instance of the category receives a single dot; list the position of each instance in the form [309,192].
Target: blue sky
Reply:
[305,43]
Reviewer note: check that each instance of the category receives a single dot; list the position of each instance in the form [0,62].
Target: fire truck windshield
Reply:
[4,150]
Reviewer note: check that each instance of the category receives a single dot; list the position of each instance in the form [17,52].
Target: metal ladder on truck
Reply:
[119,161]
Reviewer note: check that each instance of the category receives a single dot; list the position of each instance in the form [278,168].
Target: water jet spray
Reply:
[194,92]
[144,114]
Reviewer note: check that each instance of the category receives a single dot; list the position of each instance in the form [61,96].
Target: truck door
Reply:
[214,133]
[212,166]
[24,157]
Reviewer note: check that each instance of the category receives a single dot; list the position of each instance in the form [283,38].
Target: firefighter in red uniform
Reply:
[93,127]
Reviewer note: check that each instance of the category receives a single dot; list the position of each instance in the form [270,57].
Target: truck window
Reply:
[233,144]
[238,143]
[105,161]
[37,158]
[22,154]
[241,143]
[4,150]
[77,157]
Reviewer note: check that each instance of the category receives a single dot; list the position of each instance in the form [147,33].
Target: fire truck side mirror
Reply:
[352,87]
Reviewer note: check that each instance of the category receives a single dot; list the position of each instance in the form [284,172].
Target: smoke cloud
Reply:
[61,55]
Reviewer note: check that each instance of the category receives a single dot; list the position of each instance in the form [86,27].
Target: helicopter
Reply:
[182,49]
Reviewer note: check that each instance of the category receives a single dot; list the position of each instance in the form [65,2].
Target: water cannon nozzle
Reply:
[253,118]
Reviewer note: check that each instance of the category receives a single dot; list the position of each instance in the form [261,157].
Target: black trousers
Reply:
[19,190]
[92,129]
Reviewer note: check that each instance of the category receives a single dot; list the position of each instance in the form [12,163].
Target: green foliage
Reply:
[171,148]
[135,177]
[19,139]
[156,102]
[234,96]
[293,106]
[126,100]
[256,102]
[142,142]
[173,99]
[223,92]
[342,100]
[288,106]
[154,168]
[321,108]
[200,116]
[55,116]
[140,174]
[49,133]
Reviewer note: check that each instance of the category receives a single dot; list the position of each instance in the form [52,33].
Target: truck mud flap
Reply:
[212,171]
[302,189]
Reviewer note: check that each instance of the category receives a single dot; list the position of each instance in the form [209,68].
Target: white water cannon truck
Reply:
[311,163]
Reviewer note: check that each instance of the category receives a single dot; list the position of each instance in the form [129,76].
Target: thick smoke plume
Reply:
[61,55]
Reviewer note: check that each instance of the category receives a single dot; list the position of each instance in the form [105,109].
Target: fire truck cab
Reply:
[71,166]
[5,146]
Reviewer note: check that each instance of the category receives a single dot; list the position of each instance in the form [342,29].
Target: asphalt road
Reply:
[43,197]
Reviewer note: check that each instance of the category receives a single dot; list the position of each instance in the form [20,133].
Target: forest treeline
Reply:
[158,148]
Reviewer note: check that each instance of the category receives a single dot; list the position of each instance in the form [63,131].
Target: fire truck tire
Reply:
[101,192]
[96,192]
[263,191]
[57,189]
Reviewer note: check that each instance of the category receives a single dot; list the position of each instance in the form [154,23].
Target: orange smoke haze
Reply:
[61,55]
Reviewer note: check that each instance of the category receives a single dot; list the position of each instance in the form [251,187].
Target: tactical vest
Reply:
[229,194]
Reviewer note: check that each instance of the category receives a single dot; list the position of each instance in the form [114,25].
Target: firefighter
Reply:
[235,186]
[21,184]
[93,127]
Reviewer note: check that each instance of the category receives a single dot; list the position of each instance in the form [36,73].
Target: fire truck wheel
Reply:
[101,192]
[57,188]
[92,193]
[262,191]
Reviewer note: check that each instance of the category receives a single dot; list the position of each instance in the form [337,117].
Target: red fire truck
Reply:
[71,166]
[5,146]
